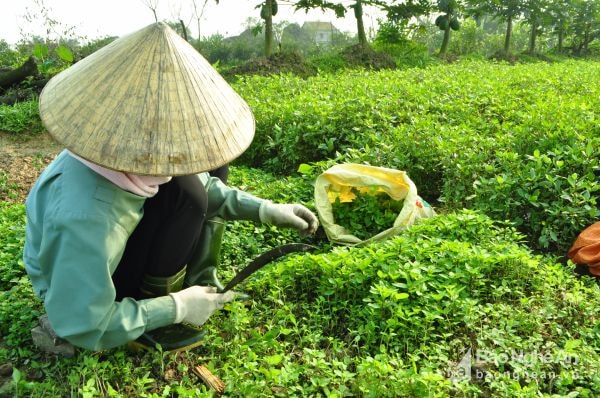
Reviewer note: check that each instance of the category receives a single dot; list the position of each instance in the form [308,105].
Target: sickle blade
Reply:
[265,259]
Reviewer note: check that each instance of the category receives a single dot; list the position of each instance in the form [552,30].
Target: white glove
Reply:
[197,303]
[288,216]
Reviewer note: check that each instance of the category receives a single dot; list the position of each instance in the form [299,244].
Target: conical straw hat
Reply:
[148,103]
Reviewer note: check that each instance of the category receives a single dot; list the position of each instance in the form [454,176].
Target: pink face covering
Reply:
[146,186]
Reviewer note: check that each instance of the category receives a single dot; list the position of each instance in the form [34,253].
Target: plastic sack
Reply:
[338,181]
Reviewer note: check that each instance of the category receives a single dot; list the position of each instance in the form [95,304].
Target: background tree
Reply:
[559,14]
[360,25]
[214,48]
[401,13]
[152,5]
[296,39]
[448,21]
[268,9]
[397,11]
[537,16]
[507,11]
[585,26]
[198,7]
[278,29]
[9,58]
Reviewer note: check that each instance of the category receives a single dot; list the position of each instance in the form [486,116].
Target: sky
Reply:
[93,19]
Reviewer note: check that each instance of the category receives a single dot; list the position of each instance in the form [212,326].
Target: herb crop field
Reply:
[475,302]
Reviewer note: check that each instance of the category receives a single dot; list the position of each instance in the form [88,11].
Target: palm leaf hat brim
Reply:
[147,103]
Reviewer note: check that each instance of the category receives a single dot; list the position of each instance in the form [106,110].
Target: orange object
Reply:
[586,249]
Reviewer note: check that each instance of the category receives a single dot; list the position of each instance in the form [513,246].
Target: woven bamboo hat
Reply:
[148,103]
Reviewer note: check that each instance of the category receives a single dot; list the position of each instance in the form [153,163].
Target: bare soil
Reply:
[273,65]
[22,160]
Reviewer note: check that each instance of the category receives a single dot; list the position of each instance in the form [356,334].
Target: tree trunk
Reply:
[183,29]
[16,76]
[586,39]
[532,37]
[508,34]
[561,36]
[360,26]
[268,36]
[445,42]
[269,29]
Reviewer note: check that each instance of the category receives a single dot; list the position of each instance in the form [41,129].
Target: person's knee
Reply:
[221,173]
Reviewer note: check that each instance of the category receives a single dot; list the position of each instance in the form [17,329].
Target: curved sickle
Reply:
[265,259]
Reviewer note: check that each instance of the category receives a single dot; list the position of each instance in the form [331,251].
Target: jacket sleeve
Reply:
[79,254]
[230,203]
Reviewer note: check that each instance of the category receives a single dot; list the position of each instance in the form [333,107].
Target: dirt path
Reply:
[21,162]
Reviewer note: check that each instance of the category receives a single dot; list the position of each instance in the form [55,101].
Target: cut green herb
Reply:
[368,214]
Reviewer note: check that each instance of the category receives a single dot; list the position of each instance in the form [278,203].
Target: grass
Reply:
[21,118]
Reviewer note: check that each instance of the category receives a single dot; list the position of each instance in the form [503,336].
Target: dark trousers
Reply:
[167,235]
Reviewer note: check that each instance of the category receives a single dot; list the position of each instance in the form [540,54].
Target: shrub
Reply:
[407,54]
[390,319]
[459,279]
[445,126]
[327,63]
[550,197]
[9,58]
[22,117]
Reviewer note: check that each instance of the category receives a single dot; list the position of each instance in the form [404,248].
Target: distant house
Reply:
[321,32]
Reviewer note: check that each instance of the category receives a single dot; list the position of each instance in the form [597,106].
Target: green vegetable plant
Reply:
[396,317]
[549,196]
[407,309]
[369,213]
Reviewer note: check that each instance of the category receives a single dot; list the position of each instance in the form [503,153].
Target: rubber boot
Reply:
[202,269]
[156,286]
[176,337]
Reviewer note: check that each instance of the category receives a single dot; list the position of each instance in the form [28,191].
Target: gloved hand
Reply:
[288,216]
[197,303]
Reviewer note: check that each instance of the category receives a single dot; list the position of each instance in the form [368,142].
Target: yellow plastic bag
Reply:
[338,182]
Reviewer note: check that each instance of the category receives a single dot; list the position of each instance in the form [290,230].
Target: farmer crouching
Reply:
[124,225]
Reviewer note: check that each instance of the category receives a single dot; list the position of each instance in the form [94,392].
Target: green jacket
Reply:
[77,226]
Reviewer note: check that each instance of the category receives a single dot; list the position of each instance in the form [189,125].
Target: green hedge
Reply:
[390,319]
[454,129]
[394,318]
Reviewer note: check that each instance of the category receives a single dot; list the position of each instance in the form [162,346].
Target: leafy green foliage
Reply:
[328,63]
[407,54]
[368,214]
[12,219]
[18,308]
[22,117]
[245,240]
[9,57]
[548,196]
[455,279]
[52,62]
[388,319]
[392,318]
[445,126]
